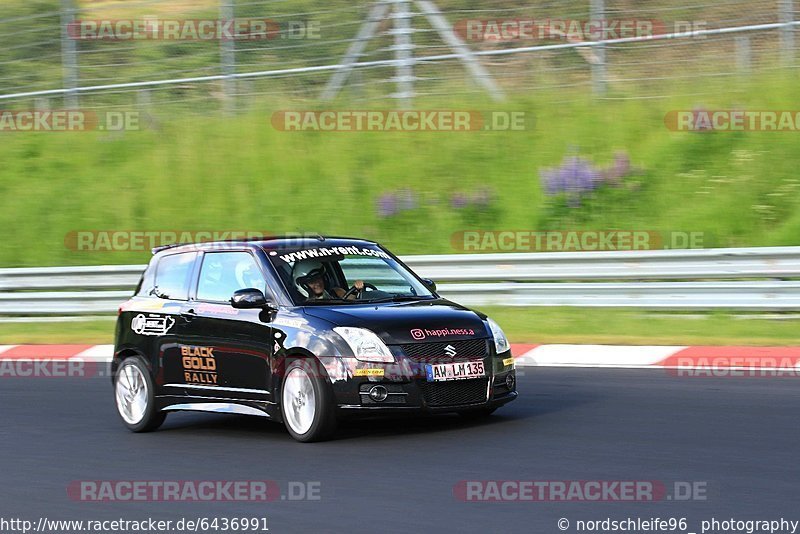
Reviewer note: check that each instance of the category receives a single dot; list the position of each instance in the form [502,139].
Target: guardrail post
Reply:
[403,53]
[41,104]
[598,12]
[228,58]
[743,53]
[69,55]
[143,99]
[787,32]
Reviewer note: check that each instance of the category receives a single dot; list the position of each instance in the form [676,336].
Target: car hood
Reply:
[408,322]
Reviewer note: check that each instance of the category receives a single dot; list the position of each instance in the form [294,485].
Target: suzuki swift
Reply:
[302,331]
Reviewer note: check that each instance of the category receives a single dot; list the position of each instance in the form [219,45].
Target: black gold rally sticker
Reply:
[199,365]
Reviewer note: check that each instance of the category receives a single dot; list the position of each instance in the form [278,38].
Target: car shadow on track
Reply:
[222,425]
[525,410]
[404,426]
[242,426]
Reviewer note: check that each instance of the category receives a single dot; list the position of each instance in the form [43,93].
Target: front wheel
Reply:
[306,403]
[134,394]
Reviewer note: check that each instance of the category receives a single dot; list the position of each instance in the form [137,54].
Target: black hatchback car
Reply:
[304,331]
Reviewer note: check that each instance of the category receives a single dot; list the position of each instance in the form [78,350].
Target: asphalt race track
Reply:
[738,436]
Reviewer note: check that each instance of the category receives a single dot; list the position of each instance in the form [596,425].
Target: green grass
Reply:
[523,325]
[84,332]
[194,171]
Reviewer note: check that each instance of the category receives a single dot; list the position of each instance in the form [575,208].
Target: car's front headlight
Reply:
[501,343]
[365,344]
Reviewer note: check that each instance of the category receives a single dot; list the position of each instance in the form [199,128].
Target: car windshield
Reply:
[345,275]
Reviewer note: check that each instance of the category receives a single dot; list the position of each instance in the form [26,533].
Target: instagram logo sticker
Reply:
[417,333]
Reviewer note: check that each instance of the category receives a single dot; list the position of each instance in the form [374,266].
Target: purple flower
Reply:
[549,181]
[459,201]
[387,205]
[578,176]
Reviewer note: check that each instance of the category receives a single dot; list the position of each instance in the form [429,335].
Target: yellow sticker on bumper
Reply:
[368,372]
[508,361]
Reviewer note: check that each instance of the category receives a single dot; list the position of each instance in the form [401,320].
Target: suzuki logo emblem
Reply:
[450,350]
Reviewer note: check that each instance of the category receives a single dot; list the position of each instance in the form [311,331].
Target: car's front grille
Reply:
[438,352]
[454,393]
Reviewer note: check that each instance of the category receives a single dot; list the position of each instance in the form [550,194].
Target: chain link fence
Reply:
[398,49]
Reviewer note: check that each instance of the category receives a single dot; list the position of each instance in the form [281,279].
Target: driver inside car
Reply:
[310,280]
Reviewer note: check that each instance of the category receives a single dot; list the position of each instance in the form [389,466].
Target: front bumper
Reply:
[351,409]
[403,387]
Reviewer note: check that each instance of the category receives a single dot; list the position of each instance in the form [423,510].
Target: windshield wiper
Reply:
[328,302]
[399,298]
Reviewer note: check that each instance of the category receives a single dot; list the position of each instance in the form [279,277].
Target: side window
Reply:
[172,276]
[223,273]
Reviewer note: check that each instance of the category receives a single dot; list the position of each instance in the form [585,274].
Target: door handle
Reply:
[188,315]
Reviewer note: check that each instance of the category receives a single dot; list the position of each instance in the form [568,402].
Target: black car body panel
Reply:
[207,355]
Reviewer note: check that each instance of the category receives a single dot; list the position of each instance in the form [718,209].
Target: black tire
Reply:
[323,421]
[150,418]
[474,415]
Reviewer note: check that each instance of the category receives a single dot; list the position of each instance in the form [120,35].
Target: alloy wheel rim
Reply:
[131,393]
[299,401]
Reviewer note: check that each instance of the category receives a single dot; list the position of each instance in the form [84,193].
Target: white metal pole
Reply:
[228,58]
[69,56]
[403,53]
[787,31]
[599,74]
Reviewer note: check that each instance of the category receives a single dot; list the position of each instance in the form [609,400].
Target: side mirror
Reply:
[430,284]
[248,299]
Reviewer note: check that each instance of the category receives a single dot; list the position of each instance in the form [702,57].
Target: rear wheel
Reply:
[134,394]
[307,403]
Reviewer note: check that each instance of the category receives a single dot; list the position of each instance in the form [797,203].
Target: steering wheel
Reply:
[353,290]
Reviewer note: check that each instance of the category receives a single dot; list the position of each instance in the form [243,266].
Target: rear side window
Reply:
[147,281]
[173,274]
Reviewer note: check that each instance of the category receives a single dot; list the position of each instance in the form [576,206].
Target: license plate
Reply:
[454,371]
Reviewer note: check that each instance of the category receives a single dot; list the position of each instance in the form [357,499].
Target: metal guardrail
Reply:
[109,276]
[700,264]
[755,279]
[743,296]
